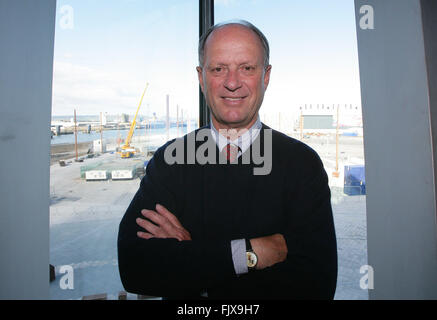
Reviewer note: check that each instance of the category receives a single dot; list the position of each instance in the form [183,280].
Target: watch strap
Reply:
[248,245]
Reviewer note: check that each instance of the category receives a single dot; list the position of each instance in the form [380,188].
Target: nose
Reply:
[232,81]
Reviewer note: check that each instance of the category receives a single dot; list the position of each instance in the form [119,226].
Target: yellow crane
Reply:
[127,151]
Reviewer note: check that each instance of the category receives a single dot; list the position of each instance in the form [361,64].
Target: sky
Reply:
[107,50]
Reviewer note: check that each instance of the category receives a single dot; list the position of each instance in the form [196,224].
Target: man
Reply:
[222,229]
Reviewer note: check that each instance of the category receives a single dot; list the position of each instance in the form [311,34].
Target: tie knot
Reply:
[231,152]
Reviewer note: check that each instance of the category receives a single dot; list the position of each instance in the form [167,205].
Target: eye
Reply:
[218,71]
[248,69]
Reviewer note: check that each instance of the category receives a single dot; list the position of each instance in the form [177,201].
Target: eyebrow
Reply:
[225,65]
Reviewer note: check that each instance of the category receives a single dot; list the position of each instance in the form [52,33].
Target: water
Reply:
[113,134]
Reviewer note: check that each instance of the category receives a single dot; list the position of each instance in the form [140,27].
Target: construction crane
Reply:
[127,151]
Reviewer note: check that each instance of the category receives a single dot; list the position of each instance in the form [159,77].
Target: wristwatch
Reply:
[251,257]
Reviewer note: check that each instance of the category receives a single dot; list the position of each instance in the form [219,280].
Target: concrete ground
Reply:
[84,219]
[350,226]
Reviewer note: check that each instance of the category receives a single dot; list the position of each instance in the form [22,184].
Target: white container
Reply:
[122,174]
[96,175]
[98,148]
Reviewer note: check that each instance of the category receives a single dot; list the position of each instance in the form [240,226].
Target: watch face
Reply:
[252,259]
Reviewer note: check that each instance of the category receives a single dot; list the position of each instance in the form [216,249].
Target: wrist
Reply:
[270,250]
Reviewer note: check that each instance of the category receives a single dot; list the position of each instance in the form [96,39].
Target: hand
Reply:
[270,250]
[165,225]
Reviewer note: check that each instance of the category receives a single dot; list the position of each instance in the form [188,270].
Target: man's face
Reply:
[234,78]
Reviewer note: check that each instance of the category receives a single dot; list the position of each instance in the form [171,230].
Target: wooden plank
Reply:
[100,296]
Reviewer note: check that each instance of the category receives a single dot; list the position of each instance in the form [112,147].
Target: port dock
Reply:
[85,215]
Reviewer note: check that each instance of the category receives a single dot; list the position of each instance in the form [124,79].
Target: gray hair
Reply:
[244,23]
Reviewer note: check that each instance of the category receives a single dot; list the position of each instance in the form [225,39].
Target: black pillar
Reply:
[206,20]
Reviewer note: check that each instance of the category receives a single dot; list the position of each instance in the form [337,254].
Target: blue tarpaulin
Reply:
[354,180]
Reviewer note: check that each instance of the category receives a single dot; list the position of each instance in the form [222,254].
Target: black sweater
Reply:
[218,203]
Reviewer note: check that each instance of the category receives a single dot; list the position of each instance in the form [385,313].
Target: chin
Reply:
[235,123]
[234,119]
[235,116]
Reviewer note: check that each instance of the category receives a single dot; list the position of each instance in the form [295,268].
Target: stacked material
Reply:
[118,169]
[90,167]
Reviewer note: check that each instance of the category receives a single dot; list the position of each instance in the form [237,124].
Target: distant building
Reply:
[320,116]
[318,121]
[104,118]
[124,117]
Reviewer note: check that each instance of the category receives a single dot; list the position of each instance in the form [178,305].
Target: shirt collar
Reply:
[244,141]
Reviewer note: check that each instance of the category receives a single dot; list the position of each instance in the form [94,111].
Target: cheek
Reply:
[256,88]
[213,87]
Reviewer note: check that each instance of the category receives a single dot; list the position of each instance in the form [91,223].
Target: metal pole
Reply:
[182,121]
[118,136]
[206,20]
[75,135]
[101,134]
[301,125]
[149,121]
[336,173]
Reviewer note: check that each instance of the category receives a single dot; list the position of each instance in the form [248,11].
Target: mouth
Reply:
[233,99]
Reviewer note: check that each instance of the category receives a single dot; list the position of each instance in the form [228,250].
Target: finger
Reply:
[175,228]
[186,235]
[153,216]
[145,235]
[171,217]
[166,226]
[150,227]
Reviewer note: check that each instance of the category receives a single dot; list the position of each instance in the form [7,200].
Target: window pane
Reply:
[314,86]
[105,53]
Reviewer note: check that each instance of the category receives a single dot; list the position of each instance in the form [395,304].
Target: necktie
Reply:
[231,152]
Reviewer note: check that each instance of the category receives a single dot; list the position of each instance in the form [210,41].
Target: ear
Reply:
[267,76]
[200,76]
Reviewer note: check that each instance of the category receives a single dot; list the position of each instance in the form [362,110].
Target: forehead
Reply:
[233,42]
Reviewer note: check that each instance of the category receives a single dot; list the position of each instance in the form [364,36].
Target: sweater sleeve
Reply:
[310,270]
[167,267]
[310,234]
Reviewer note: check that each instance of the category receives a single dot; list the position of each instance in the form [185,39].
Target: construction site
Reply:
[89,196]
[93,183]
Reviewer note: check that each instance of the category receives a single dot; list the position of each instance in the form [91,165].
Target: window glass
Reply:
[106,51]
[314,96]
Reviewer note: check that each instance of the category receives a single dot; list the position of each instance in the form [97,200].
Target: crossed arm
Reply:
[162,260]
[270,249]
